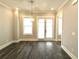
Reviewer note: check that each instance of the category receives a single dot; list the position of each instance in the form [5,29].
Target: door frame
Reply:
[46,39]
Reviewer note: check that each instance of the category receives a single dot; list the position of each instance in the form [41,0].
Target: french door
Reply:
[45,28]
[41,28]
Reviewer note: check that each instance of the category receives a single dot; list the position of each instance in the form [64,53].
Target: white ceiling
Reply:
[37,5]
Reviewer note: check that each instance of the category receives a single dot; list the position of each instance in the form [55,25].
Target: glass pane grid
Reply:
[27,25]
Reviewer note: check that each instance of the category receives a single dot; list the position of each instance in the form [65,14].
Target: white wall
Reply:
[6,31]
[70,32]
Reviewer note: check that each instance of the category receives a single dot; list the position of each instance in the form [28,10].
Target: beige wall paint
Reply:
[70,32]
[16,18]
[58,15]
[6,30]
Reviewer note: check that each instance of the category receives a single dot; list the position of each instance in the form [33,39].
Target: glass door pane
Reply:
[49,28]
[41,28]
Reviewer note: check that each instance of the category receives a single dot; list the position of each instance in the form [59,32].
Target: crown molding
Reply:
[4,5]
[74,2]
[62,5]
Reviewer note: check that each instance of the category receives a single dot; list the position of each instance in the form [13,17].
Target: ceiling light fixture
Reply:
[31,4]
[17,8]
[52,8]
[16,11]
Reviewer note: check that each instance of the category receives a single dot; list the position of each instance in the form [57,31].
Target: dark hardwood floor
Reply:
[34,50]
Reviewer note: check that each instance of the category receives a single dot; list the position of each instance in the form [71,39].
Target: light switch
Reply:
[73,33]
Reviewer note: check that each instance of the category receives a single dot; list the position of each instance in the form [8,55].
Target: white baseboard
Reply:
[27,40]
[34,40]
[5,45]
[68,52]
[15,41]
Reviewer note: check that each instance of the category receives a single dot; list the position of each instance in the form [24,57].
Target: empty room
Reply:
[38,29]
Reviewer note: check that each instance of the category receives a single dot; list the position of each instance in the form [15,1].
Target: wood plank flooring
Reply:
[34,50]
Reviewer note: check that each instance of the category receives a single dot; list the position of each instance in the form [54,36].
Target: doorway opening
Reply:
[45,28]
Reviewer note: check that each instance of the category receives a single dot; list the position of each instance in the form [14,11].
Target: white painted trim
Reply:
[15,41]
[33,40]
[5,45]
[68,52]
[62,5]
[58,39]
[4,5]
[8,43]
[74,2]
[27,40]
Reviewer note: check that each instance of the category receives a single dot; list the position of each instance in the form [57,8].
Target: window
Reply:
[27,25]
